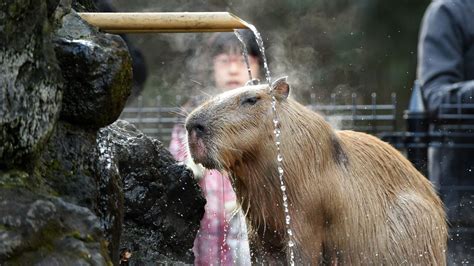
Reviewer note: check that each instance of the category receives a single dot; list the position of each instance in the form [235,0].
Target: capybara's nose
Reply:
[197,127]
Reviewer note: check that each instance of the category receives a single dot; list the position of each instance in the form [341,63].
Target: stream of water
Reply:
[277,134]
[245,53]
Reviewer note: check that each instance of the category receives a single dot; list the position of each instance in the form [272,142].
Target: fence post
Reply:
[313,101]
[353,109]
[417,140]
[140,112]
[393,97]
[159,113]
[332,109]
[374,112]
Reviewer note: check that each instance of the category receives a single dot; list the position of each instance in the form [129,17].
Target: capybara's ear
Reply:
[281,88]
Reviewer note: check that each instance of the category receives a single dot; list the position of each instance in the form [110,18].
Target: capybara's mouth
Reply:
[200,152]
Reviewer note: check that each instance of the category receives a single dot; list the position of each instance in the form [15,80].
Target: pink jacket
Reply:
[221,239]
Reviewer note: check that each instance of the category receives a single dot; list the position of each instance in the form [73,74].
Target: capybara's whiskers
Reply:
[196,82]
[205,93]
[181,113]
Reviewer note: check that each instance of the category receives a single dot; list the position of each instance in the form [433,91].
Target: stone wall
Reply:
[73,188]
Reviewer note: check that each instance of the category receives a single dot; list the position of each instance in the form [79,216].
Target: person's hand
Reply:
[453,99]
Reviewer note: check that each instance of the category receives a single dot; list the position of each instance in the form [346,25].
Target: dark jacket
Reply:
[446,75]
[446,50]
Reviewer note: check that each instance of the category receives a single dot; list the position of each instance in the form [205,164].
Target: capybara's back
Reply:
[392,212]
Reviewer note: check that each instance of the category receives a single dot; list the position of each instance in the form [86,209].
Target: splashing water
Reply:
[104,147]
[259,40]
[245,53]
[224,241]
[277,133]
[107,169]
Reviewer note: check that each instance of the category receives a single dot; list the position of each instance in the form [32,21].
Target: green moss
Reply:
[122,84]
[76,235]
[105,251]
[51,171]
[48,234]
[87,238]
[84,6]
[14,179]
[90,238]
[39,245]
[18,8]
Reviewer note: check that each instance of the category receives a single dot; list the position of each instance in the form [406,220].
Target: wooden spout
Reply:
[164,22]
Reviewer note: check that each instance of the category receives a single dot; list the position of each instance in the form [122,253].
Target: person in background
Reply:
[446,75]
[222,237]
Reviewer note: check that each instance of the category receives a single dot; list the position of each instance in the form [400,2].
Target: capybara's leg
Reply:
[417,232]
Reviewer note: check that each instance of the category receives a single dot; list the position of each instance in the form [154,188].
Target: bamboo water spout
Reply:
[164,21]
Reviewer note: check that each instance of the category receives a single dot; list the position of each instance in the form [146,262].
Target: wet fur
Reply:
[353,198]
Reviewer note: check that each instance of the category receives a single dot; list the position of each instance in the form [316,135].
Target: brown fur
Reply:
[353,198]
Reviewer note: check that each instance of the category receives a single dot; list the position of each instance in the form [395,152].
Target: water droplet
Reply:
[283,188]
[280,170]
[275,122]
[291,243]
[277,132]
[279,158]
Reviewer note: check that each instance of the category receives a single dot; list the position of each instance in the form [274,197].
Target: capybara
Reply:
[353,198]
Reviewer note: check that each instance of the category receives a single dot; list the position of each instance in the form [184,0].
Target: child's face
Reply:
[231,72]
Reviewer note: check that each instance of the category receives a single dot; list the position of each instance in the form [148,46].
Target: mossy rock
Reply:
[98,71]
[37,229]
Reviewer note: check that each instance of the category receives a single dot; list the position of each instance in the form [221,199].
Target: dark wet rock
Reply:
[85,5]
[163,203]
[68,164]
[41,230]
[60,202]
[97,67]
[36,226]
[30,80]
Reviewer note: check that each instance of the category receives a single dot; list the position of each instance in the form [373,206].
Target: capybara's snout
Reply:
[196,126]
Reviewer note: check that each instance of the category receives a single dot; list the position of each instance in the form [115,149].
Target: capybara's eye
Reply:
[250,100]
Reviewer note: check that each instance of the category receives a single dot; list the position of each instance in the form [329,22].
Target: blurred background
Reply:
[336,53]
[324,46]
